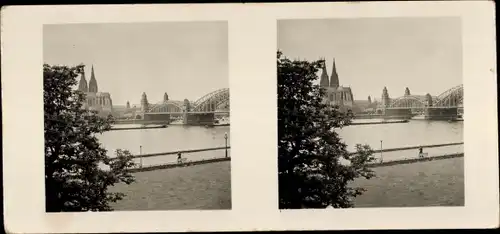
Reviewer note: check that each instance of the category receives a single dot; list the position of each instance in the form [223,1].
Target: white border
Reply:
[252,72]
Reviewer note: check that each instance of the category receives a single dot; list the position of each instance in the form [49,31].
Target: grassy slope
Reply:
[199,187]
[436,183]
[208,186]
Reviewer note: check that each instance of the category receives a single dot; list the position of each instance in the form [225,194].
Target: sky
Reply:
[423,54]
[184,59]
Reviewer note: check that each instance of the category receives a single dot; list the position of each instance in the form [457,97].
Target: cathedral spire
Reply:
[93,82]
[324,77]
[83,83]
[334,79]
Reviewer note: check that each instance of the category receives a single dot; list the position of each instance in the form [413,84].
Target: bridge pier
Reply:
[433,113]
[397,114]
[157,117]
[198,118]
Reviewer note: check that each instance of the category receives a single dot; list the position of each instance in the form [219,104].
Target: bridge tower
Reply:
[407,92]
[428,99]
[187,109]
[144,103]
[386,100]
[165,97]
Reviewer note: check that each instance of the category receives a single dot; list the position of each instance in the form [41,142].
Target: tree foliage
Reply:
[78,170]
[314,166]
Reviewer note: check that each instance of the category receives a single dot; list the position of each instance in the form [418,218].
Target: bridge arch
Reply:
[213,101]
[167,106]
[407,102]
[453,97]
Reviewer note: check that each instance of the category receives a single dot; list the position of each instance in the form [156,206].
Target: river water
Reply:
[398,135]
[172,138]
[179,137]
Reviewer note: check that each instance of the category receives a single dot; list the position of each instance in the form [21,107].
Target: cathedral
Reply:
[336,94]
[95,100]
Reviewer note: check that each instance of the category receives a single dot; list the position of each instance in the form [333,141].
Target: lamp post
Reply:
[381,157]
[225,138]
[140,153]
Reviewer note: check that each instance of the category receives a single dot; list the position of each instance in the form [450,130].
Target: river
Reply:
[394,135]
[398,135]
[172,138]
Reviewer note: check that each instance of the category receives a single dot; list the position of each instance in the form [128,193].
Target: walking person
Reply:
[421,152]
[179,157]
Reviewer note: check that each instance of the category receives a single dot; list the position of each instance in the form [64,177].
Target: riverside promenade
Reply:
[434,180]
[201,180]
[425,182]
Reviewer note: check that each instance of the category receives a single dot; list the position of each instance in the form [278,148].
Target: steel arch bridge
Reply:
[216,101]
[407,102]
[450,98]
[213,102]
[453,97]
[167,106]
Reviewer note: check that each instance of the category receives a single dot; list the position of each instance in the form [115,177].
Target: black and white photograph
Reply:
[136,116]
[370,112]
[118,118]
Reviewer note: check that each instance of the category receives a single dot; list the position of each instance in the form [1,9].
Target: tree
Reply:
[314,167]
[78,171]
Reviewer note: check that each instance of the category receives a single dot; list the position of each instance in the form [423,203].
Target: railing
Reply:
[172,165]
[395,156]
[414,160]
[164,160]
[179,151]
[413,147]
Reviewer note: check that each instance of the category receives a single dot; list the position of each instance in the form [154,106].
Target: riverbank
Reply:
[137,128]
[182,164]
[432,183]
[200,187]
[213,125]
[380,122]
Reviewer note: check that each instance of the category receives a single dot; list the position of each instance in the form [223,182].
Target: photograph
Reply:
[117,118]
[136,116]
[370,112]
